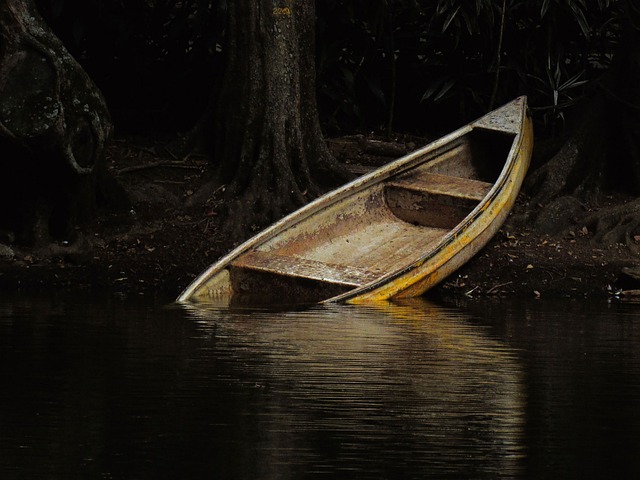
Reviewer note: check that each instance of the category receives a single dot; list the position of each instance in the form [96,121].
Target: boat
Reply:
[393,233]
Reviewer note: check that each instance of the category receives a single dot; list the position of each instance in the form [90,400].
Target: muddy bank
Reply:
[170,233]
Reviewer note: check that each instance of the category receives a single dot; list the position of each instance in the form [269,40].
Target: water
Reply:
[131,389]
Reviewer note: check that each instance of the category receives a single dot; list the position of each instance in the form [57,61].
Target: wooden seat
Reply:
[291,266]
[437,184]
[434,200]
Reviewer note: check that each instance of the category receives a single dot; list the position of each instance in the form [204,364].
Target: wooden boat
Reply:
[395,232]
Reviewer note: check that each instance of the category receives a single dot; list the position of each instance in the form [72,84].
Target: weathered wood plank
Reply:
[305,268]
[437,184]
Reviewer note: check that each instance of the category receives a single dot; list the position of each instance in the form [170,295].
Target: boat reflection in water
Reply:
[408,390]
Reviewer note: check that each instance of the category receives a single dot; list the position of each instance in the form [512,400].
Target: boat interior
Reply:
[384,227]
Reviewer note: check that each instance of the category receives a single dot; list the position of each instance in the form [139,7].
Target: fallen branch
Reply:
[468,294]
[495,287]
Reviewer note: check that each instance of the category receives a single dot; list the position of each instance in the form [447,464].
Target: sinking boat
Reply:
[393,233]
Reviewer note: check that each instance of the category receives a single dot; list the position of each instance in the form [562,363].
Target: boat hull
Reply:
[474,233]
[393,233]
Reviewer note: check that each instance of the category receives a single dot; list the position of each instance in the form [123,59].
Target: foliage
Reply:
[457,55]
[568,44]
[350,51]
[380,62]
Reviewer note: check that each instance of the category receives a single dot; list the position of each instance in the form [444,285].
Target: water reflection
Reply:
[128,389]
[397,390]
[583,383]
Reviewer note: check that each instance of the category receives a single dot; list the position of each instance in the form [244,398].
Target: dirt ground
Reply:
[170,234]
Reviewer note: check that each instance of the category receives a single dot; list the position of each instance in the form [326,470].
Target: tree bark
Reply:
[54,124]
[269,145]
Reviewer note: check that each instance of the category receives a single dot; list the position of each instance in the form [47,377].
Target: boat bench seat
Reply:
[447,185]
[292,266]
[434,200]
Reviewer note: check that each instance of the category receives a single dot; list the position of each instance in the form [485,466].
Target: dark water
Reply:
[129,389]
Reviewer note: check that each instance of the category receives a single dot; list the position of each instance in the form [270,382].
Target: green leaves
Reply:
[375,57]
[549,50]
[438,89]
[462,15]
[448,53]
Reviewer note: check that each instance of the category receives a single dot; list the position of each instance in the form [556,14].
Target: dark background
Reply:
[381,64]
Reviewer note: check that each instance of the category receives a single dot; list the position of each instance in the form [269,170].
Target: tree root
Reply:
[617,224]
[550,180]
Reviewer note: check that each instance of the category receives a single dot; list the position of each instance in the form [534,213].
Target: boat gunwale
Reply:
[361,183]
[406,162]
[452,235]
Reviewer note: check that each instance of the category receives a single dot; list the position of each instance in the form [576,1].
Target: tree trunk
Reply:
[269,146]
[54,124]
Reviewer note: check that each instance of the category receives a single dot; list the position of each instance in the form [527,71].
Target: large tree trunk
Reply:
[269,145]
[53,127]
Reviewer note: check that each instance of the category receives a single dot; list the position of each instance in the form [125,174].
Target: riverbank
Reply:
[170,233]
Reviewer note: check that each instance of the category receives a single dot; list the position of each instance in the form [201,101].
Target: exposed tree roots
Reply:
[618,224]
[567,190]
